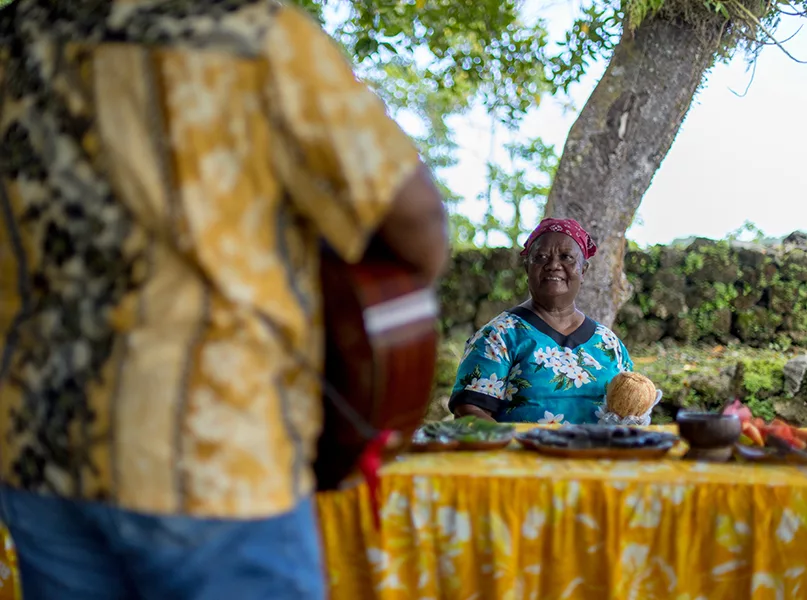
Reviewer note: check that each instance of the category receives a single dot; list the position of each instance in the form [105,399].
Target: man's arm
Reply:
[349,167]
[415,228]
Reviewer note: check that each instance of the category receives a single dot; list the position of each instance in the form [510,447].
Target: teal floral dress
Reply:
[521,370]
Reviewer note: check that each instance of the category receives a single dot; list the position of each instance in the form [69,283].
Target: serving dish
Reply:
[466,433]
[598,441]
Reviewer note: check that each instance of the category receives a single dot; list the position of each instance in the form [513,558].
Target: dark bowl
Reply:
[708,430]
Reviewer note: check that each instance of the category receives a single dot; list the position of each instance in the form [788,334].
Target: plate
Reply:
[486,445]
[466,433]
[435,446]
[599,442]
[755,454]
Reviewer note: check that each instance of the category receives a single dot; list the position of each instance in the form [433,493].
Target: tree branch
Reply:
[754,19]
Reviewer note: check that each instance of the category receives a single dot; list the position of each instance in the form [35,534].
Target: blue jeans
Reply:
[71,550]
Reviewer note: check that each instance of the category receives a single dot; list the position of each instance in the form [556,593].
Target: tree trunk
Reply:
[618,142]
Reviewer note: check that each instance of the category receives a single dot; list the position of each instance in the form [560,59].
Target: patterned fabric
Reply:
[568,227]
[515,526]
[167,169]
[9,572]
[521,370]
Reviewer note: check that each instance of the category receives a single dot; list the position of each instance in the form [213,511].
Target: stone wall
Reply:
[715,292]
[685,297]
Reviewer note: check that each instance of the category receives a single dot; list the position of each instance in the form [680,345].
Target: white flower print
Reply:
[533,524]
[471,344]
[569,368]
[515,384]
[492,386]
[579,377]
[608,337]
[590,361]
[610,346]
[504,322]
[788,526]
[550,419]
[556,365]
[495,347]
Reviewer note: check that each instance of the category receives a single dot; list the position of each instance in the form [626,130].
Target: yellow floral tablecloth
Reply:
[9,577]
[514,525]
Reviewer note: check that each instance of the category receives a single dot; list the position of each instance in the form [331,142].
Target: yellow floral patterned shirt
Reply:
[167,170]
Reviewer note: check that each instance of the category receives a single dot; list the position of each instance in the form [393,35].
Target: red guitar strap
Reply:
[370,463]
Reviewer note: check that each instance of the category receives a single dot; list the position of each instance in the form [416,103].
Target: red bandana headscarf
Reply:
[568,227]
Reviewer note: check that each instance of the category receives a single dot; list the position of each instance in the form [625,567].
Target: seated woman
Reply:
[543,361]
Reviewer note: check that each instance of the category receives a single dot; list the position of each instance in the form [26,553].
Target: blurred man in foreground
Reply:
[167,169]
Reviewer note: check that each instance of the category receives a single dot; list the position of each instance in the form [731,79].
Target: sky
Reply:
[736,159]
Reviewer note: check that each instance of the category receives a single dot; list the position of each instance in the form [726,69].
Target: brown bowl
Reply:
[708,431]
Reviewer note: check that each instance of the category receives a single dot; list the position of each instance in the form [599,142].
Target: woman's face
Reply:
[555,269]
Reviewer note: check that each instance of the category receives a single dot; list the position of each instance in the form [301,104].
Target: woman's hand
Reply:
[464,410]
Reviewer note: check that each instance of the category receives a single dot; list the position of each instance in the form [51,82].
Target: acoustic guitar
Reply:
[381,347]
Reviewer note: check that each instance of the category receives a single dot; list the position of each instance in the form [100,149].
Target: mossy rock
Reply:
[457,308]
[721,327]
[753,258]
[669,278]
[710,388]
[667,302]
[488,309]
[796,320]
[684,329]
[711,262]
[700,294]
[449,353]
[793,410]
[640,264]
[504,259]
[620,330]
[470,272]
[757,325]
[629,315]
[646,331]
[784,296]
[713,324]
[799,338]
[459,330]
[794,266]
[671,257]
[747,296]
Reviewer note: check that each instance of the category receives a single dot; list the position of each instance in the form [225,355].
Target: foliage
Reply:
[744,25]
[515,184]
[432,59]
[746,229]
[761,380]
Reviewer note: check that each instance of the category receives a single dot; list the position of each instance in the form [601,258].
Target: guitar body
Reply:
[381,347]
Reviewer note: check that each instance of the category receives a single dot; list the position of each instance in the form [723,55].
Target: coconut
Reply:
[630,394]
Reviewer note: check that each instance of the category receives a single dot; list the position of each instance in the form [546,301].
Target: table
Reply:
[515,525]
